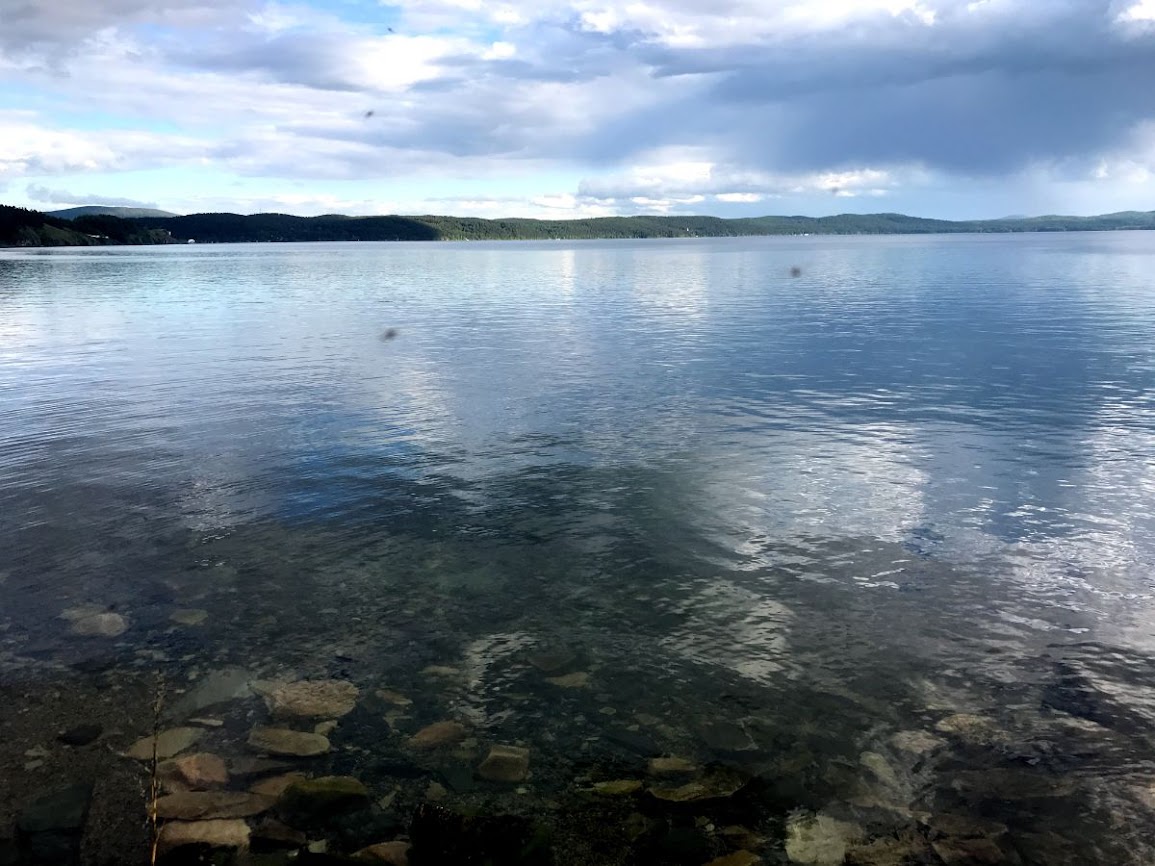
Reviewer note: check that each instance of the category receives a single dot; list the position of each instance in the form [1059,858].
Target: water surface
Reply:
[910,490]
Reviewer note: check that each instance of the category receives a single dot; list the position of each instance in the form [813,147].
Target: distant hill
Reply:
[72,213]
[28,228]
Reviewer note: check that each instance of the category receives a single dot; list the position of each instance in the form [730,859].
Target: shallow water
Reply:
[827,510]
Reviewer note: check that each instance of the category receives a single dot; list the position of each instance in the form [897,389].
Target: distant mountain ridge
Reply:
[72,213]
[19,227]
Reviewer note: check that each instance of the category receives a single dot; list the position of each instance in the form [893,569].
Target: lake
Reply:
[868,546]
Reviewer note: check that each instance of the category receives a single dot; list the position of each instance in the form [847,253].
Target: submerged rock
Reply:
[312,800]
[282,741]
[968,852]
[271,833]
[277,785]
[577,680]
[324,699]
[189,617]
[169,744]
[819,839]
[970,729]
[552,661]
[738,858]
[220,833]
[618,788]
[91,621]
[727,737]
[205,805]
[392,853]
[916,742]
[505,764]
[671,766]
[217,688]
[194,772]
[713,786]
[437,735]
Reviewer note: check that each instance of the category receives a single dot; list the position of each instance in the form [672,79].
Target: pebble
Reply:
[505,764]
[325,728]
[436,792]
[715,786]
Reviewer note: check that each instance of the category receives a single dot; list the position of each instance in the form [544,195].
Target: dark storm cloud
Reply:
[960,99]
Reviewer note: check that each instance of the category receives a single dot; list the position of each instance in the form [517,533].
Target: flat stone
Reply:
[440,671]
[392,853]
[727,737]
[738,858]
[207,805]
[275,786]
[715,786]
[221,833]
[322,699]
[195,772]
[219,687]
[189,617]
[81,735]
[576,680]
[618,788]
[971,729]
[315,799]
[393,698]
[281,741]
[272,833]
[247,767]
[968,852]
[505,764]
[966,826]
[671,766]
[325,728]
[169,744]
[916,742]
[819,839]
[551,661]
[906,849]
[90,620]
[437,735]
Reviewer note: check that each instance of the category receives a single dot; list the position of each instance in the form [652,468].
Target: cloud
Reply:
[64,197]
[779,98]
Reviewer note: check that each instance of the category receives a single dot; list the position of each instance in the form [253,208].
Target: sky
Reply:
[568,108]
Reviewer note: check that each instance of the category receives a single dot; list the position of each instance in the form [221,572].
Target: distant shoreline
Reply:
[27,228]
